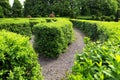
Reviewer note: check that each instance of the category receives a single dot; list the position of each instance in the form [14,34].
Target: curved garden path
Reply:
[55,69]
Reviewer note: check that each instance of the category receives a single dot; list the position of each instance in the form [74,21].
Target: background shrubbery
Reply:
[1,12]
[18,61]
[103,18]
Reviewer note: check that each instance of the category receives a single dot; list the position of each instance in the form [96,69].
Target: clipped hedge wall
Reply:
[99,60]
[22,28]
[91,29]
[34,21]
[51,39]
[18,61]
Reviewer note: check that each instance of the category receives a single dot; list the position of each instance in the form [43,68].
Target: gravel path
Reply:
[56,69]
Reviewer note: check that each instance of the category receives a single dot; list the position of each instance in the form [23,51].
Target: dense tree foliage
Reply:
[99,7]
[17,9]
[6,7]
[45,7]
[29,7]
[118,3]
[70,8]
[1,12]
[67,8]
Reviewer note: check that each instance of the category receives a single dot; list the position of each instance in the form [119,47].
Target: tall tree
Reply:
[32,7]
[1,12]
[6,7]
[118,3]
[84,8]
[45,7]
[99,7]
[17,9]
[67,8]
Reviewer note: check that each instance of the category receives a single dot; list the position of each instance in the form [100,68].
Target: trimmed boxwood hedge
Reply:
[51,39]
[22,28]
[34,21]
[91,29]
[99,60]
[18,61]
[25,27]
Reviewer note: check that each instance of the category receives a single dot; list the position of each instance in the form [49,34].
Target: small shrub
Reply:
[112,17]
[46,15]
[48,20]
[108,18]
[52,15]
[57,15]
[93,17]
[18,61]
[29,16]
[103,18]
[98,18]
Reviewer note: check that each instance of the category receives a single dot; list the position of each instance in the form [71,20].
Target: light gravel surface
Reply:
[55,69]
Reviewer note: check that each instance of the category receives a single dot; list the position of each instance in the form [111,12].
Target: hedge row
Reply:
[103,18]
[16,25]
[99,60]
[18,61]
[23,26]
[91,29]
[34,21]
[51,39]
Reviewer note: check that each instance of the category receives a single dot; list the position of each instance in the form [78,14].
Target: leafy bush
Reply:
[99,60]
[57,15]
[18,61]
[93,17]
[103,18]
[29,16]
[51,39]
[84,17]
[108,18]
[98,18]
[50,20]
[112,17]
[52,15]
[22,28]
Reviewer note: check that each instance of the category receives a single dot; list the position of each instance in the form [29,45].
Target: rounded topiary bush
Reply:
[18,60]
